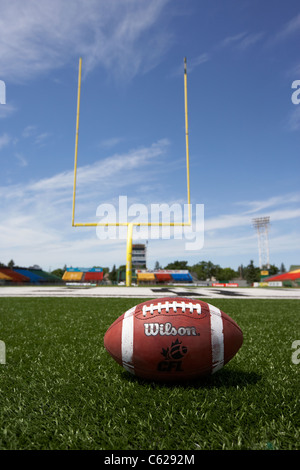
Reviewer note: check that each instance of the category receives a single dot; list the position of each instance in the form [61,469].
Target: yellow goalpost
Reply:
[131,224]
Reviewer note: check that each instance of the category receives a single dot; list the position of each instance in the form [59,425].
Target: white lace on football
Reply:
[174,305]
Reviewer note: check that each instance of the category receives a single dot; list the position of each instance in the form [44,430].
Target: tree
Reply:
[11,264]
[199,270]
[273,270]
[205,270]
[177,265]
[282,268]
[113,274]
[157,266]
[226,274]
[212,269]
[58,272]
[252,273]
[241,271]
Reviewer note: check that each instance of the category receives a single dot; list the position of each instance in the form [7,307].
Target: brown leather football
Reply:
[173,339]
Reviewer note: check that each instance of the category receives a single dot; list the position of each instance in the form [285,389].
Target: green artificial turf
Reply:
[59,389]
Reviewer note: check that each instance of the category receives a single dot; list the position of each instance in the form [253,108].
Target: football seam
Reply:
[169,315]
[232,322]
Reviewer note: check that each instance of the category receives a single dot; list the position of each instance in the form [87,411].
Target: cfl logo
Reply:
[2,352]
[2,92]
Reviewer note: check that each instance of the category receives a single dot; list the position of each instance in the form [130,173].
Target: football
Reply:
[173,339]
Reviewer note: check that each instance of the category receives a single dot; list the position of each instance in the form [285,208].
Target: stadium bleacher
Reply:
[47,276]
[146,277]
[182,277]
[21,275]
[163,276]
[289,279]
[72,276]
[83,275]
[5,277]
[13,276]
[37,276]
[93,276]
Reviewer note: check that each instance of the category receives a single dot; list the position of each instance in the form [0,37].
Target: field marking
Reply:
[127,340]
[148,292]
[217,338]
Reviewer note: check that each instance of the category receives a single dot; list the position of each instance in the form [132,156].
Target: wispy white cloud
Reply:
[112,142]
[21,159]
[283,207]
[5,140]
[29,131]
[41,138]
[241,41]
[292,122]
[6,110]
[289,29]
[118,166]
[231,40]
[32,132]
[232,234]
[37,36]
[282,200]
[194,62]
[249,40]
[37,214]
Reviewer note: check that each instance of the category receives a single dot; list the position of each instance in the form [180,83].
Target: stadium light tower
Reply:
[261,225]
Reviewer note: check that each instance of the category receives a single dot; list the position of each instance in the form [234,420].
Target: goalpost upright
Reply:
[76,140]
[131,224]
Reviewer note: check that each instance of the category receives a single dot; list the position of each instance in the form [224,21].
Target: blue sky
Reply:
[244,130]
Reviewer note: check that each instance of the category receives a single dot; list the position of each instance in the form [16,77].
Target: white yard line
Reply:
[150,292]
